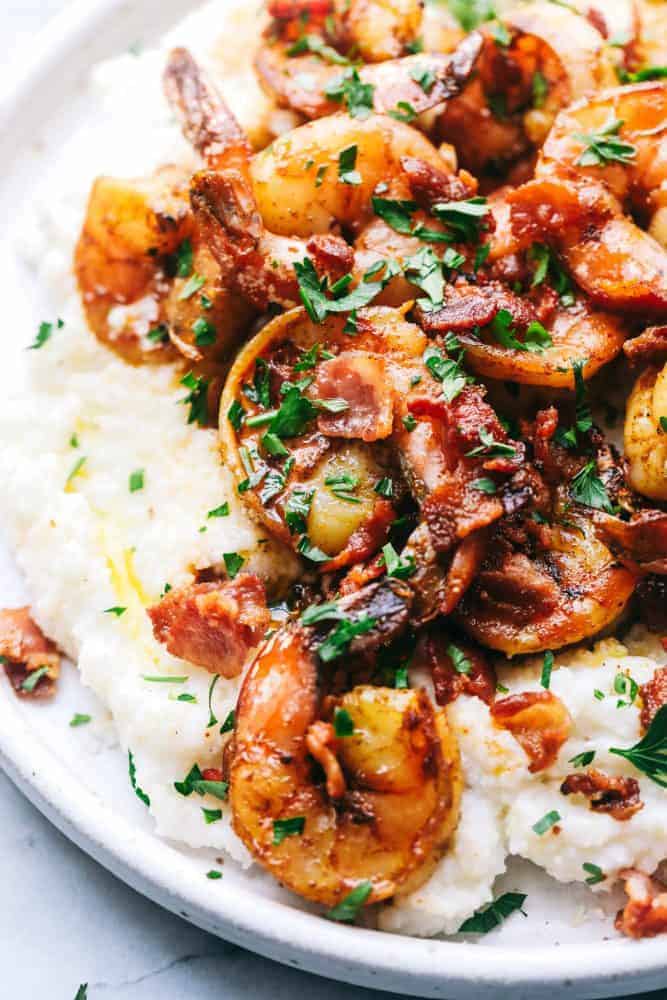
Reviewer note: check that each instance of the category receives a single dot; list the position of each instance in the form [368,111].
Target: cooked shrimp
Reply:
[390,798]
[563,585]
[129,229]
[645,434]
[375,29]
[550,56]
[310,85]
[605,156]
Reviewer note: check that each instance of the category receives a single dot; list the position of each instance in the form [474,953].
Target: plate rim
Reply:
[415,966]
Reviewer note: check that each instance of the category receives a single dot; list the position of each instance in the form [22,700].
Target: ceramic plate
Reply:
[79,780]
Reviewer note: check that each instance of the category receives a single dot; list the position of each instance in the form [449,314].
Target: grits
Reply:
[86,543]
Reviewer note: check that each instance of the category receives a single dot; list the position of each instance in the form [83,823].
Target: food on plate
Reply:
[343,472]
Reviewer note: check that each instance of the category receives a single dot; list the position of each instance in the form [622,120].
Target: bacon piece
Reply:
[652,603]
[362,381]
[24,648]
[468,306]
[654,696]
[429,185]
[619,797]
[447,681]
[538,720]
[649,346]
[213,625]
[640,543]
[332,256]
[645,913]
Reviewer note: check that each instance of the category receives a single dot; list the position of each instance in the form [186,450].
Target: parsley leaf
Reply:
[343,723]
[197,398]
[347,909]
[397,214]
[650,755]
[338,641]
[297,509]
[317,46]
[184,258]
[460,661]
[347,160]
[545,824]
[595,873]
[588,489]
[33,679]
[44,333]
[471,13]
[291,827]
[401,569]
[464,219]
[490,447]
[604,146]
[140,793]
[536,338]
[493,915]
[351,91]
[547,667]
[136,481]
[448,371]
[233,563]
[79,719]
[221,511]
[583,759]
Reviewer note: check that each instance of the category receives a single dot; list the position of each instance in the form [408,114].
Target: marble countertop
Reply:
[64,920]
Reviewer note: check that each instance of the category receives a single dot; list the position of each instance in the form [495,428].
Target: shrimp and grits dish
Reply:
[340,467]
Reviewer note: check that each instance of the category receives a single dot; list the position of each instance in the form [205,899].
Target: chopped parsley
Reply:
[197,398]
[211,815]
[501,35]
[191,287]
[401,679]
[343,485]
[409,423]
[460,661]
[536,339]
[322,613]
[82,992]
[310,551]
[448,371]
[547,667]
[163,679]
[79,719]
[546,823]
[132,770]
[44,334]
[313,290]
[214,875]
[158,335]
[401,569]
[297,509]
[343,723]
[385,487]
[318,47]
[205,333]
[595,873]
[604,146]
[184,259]
[627,687]
[233,563]
[229,723]
[484,485]
[353,93]
[425,77]
[347,161]
[260,390]
[403,112]
[650,755]
[136,481]
[491,916]
[291,827]
[33,679]
[221,511]
[663,424]
[115,611]
[346,911]
[583,759]
[540,89]
[641,75]
[212,720]
[194,781]
[588,489]
[547,265]
[471,13]
[397,214]
[464,219]
[339,639]
[490,447]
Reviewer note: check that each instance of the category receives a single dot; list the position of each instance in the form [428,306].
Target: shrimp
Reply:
[537,60]
[645,434]
[313,87]
[389,800]
[605,156]
[130,230]
[375,29]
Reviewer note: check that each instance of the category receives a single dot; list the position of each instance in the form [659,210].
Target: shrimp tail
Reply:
[207,123]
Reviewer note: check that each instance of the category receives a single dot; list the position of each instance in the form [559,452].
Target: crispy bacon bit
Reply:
[320,739]
[332,256]
[212,774]
[649,346]
[645,913]
[606,794]
[640,543]
[429,185]
[468,306]
[214,625]
[362,382]
[448,682]
[654,696]
[652,603]
[538,720]
[24,649]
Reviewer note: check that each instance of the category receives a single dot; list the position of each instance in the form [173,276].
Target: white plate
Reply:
[79,780]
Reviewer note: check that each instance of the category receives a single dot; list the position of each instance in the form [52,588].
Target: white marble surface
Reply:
[65,921]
